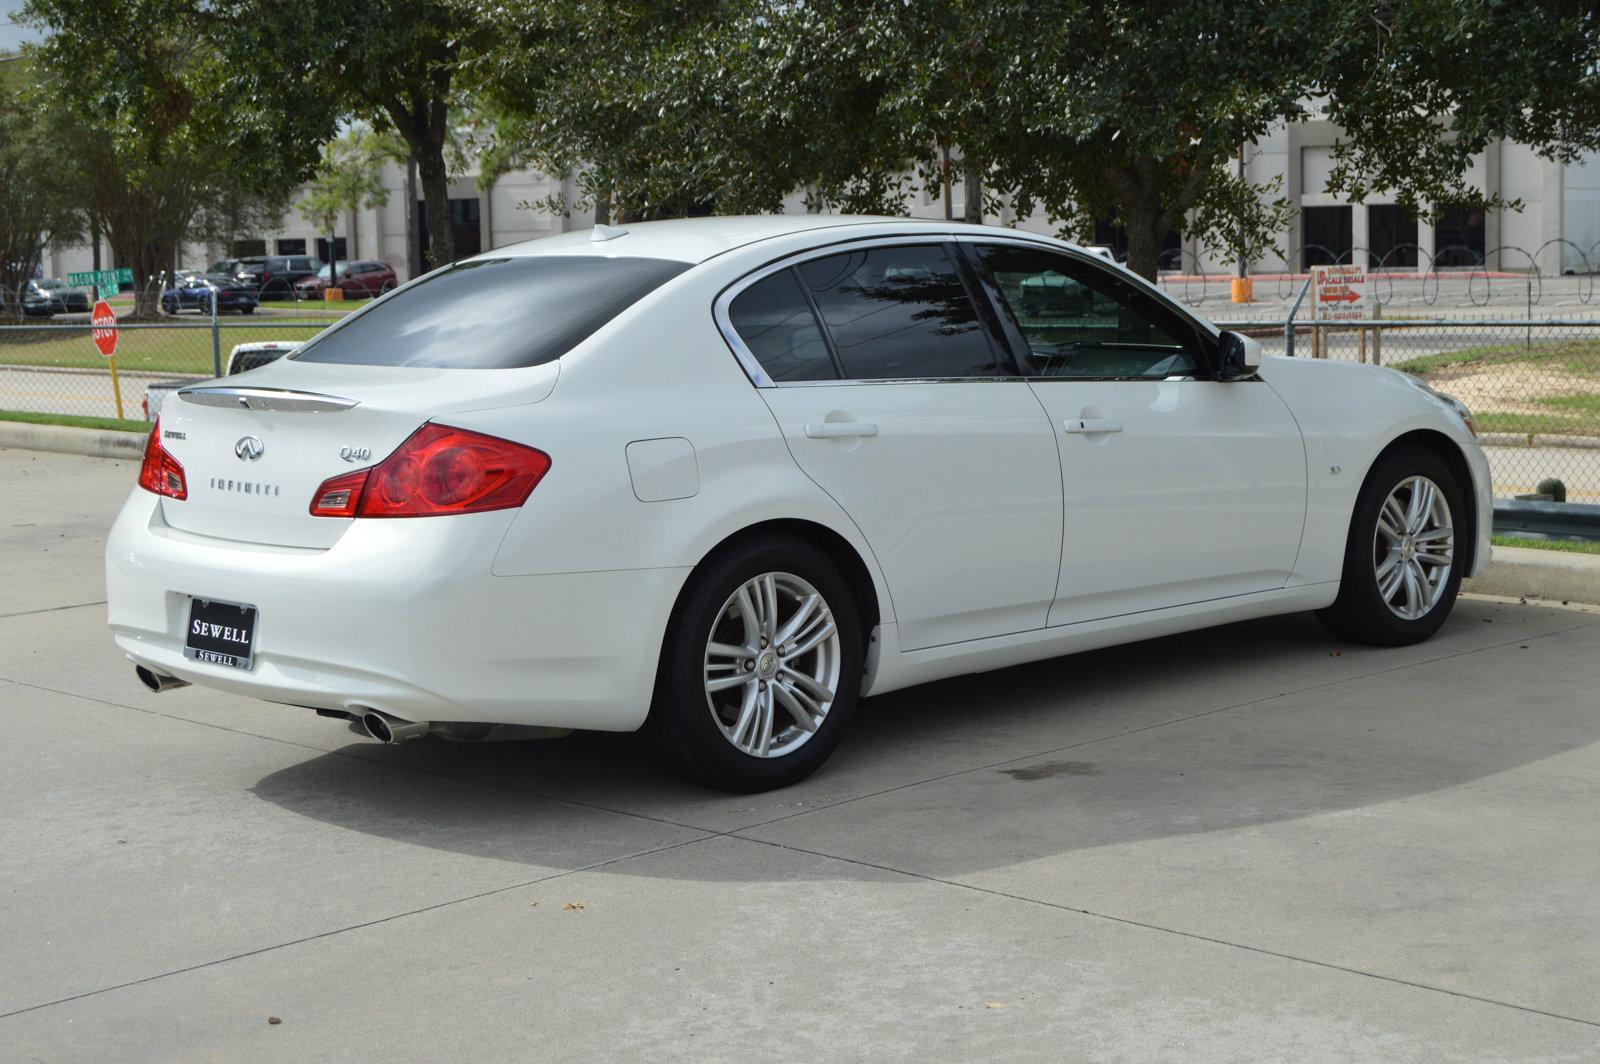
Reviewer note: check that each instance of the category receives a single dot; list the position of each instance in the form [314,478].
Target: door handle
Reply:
[839,430]
[1086,426]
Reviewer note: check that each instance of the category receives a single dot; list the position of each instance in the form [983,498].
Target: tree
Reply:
[393,63]
[134,101]
[1112,110]
[34,210]
[349,177]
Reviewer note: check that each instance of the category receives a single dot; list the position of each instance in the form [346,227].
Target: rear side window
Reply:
[775,322]
[899,312]
[493,313]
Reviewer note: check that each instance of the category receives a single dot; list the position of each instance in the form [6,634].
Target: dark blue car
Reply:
[233,295]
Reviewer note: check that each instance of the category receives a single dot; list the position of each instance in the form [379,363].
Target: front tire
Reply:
[760,668]
[1402,564]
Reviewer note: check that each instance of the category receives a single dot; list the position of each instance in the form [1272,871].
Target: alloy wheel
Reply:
[1413,548]
[772,665]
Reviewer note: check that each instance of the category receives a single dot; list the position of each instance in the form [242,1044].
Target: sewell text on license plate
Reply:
[222,633]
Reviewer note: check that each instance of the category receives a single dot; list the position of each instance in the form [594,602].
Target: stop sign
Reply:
[105,328]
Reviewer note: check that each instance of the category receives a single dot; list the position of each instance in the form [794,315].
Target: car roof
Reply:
[694,240]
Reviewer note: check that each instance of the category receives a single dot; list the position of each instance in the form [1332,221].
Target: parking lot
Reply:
[1252,843]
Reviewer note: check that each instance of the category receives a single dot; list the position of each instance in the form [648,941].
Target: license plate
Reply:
[222,633]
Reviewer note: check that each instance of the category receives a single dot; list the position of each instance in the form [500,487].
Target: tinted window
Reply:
[775,322]
[493,313]
[899,312]
[1081,320]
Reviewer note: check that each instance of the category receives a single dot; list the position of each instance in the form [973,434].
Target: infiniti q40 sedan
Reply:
[719,479]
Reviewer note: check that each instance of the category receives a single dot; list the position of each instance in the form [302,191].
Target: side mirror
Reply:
[1241,356]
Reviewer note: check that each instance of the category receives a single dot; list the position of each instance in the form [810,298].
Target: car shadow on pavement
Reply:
[1175,736]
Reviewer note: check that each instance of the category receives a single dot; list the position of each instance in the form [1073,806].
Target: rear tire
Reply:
[1403,559]
[739,677]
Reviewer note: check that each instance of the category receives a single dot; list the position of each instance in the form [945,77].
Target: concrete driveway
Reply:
[1247,844]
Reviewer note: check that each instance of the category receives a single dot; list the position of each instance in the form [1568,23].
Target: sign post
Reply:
[104,330]
[1339,293]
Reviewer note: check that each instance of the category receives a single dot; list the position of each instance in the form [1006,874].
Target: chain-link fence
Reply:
[1534,385]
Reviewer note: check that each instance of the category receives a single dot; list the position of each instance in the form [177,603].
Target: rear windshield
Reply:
[493,313]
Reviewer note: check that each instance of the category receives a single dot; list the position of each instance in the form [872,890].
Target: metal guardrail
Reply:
[1547,520]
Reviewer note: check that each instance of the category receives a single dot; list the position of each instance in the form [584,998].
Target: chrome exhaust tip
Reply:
[387,729]
[158,681]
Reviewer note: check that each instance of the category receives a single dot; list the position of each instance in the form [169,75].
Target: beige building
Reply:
[1557,230]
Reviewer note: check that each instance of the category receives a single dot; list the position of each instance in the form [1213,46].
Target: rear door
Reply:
[894,399]
[1179,488]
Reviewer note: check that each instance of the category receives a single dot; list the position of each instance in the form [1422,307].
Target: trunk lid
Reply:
[255,447]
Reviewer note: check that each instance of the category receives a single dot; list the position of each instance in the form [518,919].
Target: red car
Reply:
[361,279]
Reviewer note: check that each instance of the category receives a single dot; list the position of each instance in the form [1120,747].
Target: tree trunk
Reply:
[435,180]
[147,261]
[1144,240]
[973,209]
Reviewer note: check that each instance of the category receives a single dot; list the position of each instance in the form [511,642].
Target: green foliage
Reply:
[1130,112]
[350,175]
[392,63]
[34,171]
[129,89]
[76,421]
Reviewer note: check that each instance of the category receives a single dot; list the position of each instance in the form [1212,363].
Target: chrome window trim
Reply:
[276,400]
[752,366]
[761,379]
[1096,262]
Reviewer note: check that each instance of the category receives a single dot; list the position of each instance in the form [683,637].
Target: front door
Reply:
[1179,488]
[901,408]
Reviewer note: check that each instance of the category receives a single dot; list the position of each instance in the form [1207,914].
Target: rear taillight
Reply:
[438,470]
[161,472]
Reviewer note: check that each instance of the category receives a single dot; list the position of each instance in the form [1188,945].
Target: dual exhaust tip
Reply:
[381,726]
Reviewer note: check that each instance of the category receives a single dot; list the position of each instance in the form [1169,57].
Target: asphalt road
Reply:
[1247,844]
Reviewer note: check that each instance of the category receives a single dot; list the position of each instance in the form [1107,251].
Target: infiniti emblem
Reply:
[248,449]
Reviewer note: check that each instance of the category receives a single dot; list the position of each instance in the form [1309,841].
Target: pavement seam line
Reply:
[555,799]
[1160,724]
[51,609]
[359,926]
[1130,922]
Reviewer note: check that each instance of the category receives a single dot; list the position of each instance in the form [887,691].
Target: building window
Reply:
[248,248]
[1458,239]
[292,247]
[322,247]
[465,230]
[1391,237]
[1325,236]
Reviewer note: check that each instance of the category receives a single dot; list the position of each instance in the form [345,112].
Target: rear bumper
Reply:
[403,616]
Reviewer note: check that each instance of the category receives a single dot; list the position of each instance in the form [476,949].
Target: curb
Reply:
[96,443]
[1538,439]
[1527,572]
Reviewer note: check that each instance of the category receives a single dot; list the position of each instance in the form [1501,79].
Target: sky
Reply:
[12,35]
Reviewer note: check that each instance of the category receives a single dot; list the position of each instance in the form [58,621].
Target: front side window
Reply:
[1085,321]
[897,313]
[775,322]
[493,313]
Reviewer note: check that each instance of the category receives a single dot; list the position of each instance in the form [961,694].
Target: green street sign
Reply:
[100,278]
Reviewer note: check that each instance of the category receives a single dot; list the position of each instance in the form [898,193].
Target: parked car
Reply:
[257,353]
[235,295]
[717,479]
[48,296]
[361,279]
[227,266]
[275,276]
[156,394]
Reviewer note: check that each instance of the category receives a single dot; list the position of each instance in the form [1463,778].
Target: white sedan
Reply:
[719,479]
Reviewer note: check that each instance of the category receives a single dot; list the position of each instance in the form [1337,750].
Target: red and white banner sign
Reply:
[1340,292]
